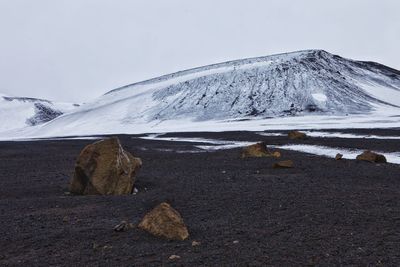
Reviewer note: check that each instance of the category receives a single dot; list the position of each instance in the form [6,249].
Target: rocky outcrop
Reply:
[283,164]
[104,168]
[164,221]
[371,157]
[296,135]
[259,150]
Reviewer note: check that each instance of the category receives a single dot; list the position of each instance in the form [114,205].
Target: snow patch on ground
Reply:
[184,139]
[334,135]
[392,157]
[271,134]
[348,135]
[215,144]
[231,145]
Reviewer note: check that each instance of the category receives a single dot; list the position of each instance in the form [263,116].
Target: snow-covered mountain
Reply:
[19,112]
[300,82]
[312,82]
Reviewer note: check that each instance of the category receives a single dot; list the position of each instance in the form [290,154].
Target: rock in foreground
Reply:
[372,157]
[164,221]
[104,168]
[258,150]
[296,135]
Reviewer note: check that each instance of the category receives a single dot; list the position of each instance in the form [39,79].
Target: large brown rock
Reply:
[164,221]
[104,168]
[258,150]
[371,157]
[296,135]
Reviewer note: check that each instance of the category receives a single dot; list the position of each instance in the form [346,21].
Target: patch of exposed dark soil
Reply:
[244,212]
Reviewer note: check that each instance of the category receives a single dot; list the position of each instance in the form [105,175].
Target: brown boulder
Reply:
[338,156]
[296,135]
[104,168]
[164,221]
[258,150]
[283,164]
[371,157]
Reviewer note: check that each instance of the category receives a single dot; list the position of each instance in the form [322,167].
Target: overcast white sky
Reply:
[75,50]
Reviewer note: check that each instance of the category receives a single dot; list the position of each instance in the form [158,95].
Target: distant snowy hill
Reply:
[298,86]
[19,112]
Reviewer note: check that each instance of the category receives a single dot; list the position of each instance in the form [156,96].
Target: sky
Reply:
[77,50]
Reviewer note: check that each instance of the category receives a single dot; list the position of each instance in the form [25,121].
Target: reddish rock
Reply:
[164,221]
[296,135]
[259,150]
[372,157]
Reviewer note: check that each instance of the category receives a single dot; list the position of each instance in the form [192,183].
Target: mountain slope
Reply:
[19,112]
[294,83]
[312,82]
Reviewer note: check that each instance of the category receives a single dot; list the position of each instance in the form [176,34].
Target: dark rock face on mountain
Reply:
[43,114]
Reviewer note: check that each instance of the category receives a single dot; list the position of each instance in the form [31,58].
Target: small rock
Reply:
[371,157]
[236,242]
[95,246]
[258,150]
[164,221]
[122,226]
[65,219]
[195,243]
[135,191]
[174,257]
[283,164]
[296,135]
[276,154]
[338,156]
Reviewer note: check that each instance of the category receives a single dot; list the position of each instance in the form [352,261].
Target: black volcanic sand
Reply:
[244,213]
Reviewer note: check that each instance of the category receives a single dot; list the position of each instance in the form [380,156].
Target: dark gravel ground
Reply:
[322,212]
